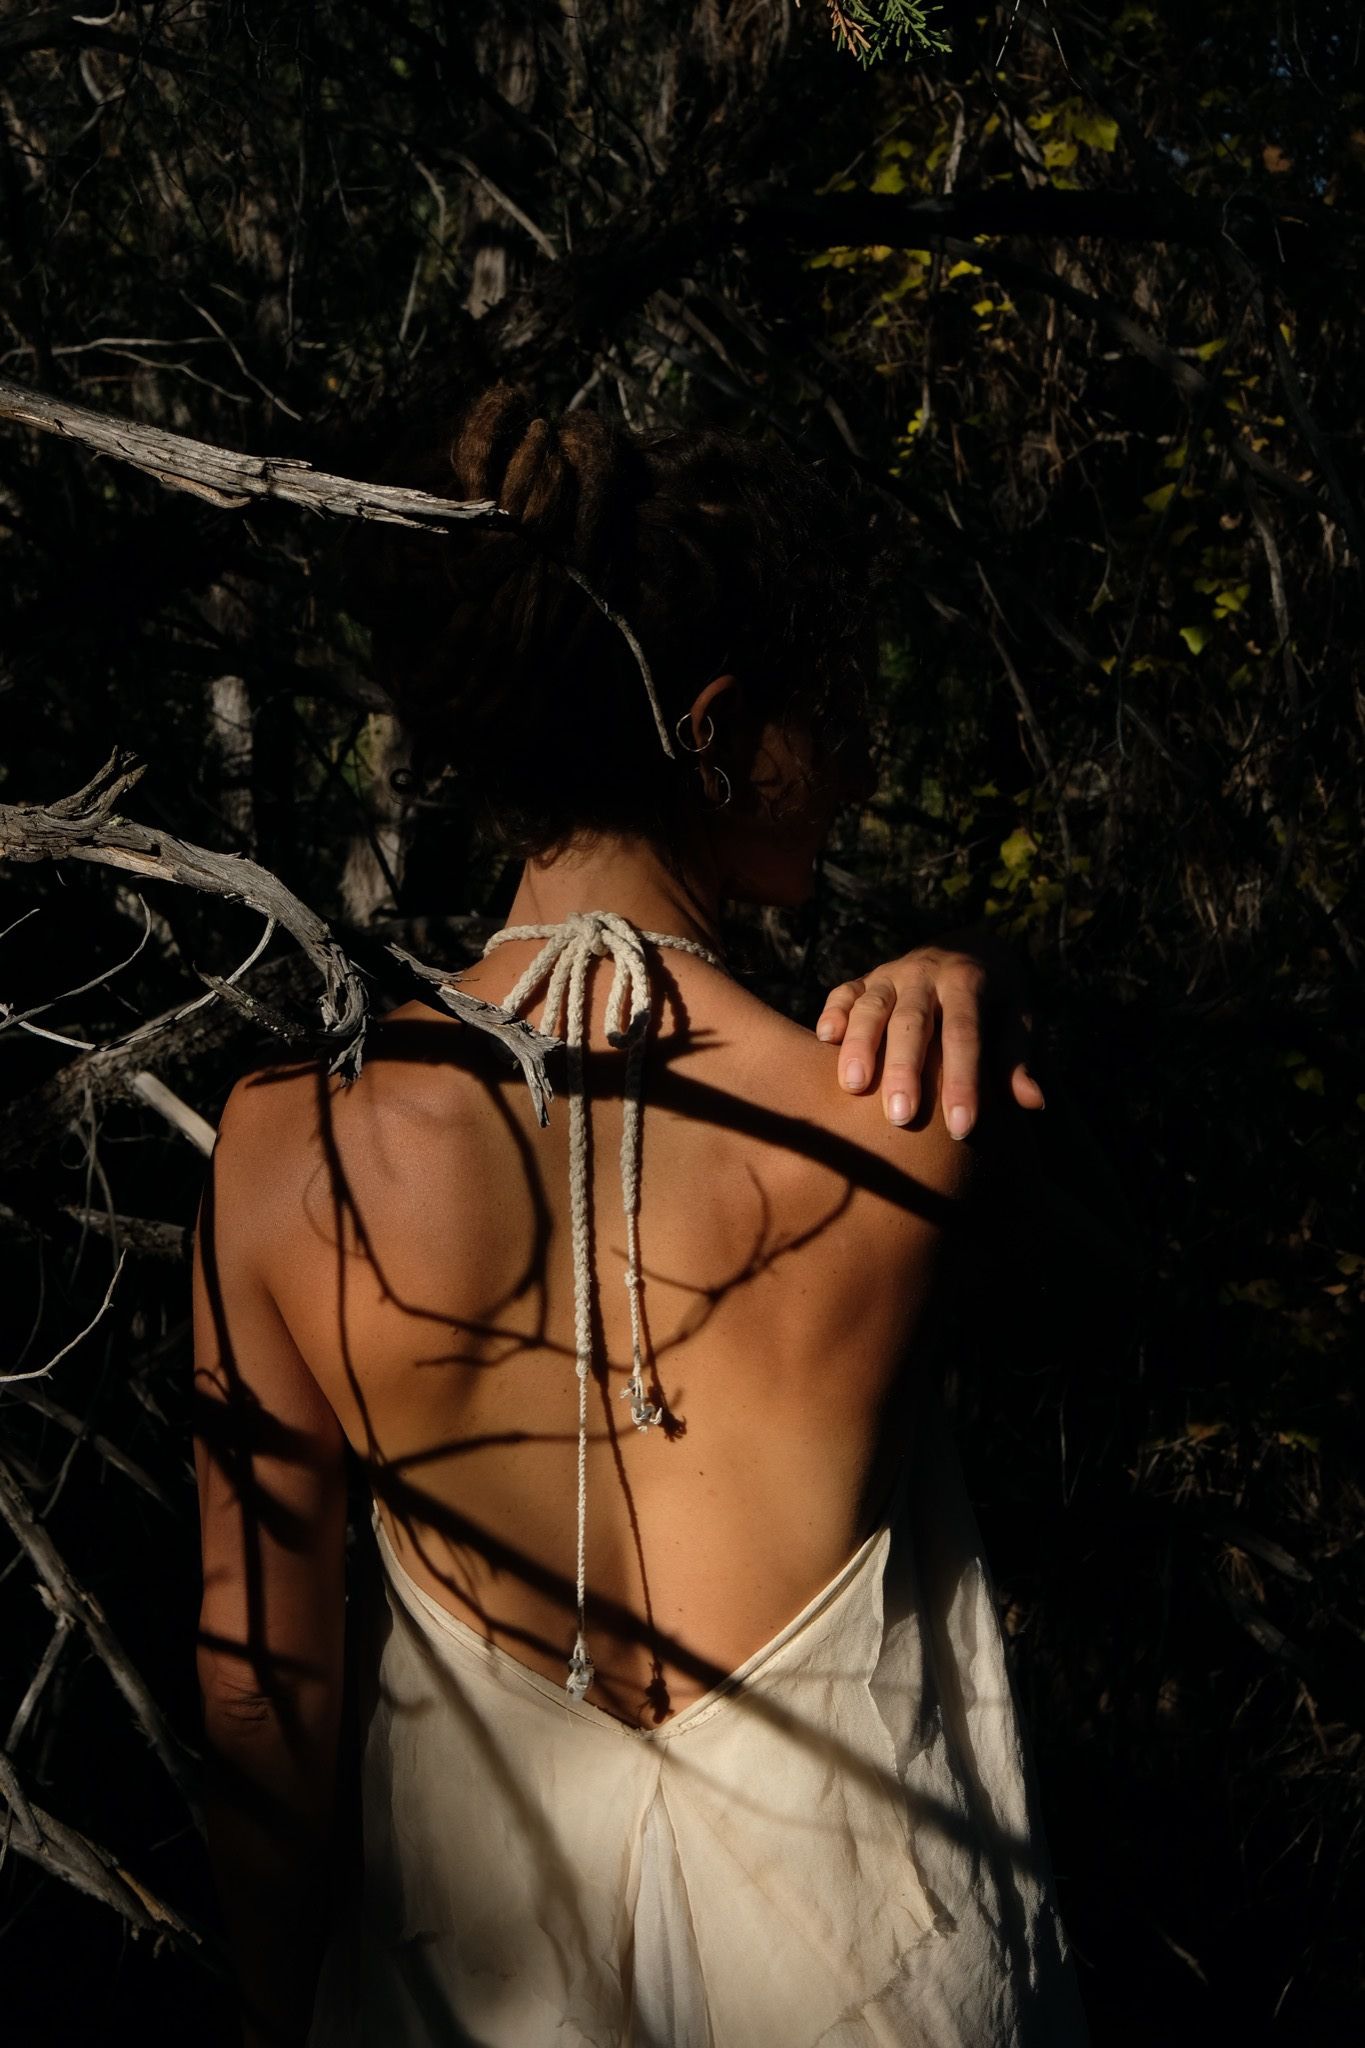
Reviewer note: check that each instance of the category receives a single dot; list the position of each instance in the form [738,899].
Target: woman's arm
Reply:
[269,1458]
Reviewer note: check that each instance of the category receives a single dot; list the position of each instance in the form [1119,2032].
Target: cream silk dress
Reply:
[837,1847]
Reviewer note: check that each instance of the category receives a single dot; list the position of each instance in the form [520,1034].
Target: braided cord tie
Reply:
[563,961]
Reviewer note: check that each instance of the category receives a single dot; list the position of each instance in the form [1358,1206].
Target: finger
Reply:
[863,1034]
[1027,1093]
[908,1036]
[1017,1056]
[960,1001]
[833,1019]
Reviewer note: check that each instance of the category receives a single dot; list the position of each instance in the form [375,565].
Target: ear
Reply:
[721,696]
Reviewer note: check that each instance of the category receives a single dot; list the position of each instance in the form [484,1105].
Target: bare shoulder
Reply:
[266,1144]
[787,1067]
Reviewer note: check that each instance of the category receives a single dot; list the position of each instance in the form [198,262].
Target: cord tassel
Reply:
[581,1670]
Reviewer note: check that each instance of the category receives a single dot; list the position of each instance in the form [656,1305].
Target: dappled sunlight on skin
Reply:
[512,1327]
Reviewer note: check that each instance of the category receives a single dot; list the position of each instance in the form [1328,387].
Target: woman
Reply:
[685,1723]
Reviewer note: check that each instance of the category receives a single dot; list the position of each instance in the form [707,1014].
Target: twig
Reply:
[543,242]
[37,1685]
[39,1372]
[79,1427]
[528,1047]
[8,1018]
[38,1118]
[67,1596]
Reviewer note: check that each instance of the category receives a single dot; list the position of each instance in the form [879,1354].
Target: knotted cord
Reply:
[563,960]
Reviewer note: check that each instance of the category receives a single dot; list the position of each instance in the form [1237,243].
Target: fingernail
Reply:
[898,1109]
[855,1074]
[959,1120]
[824,1031]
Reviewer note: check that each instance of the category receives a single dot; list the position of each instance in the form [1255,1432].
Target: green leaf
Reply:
[1096,131]
[1018,850]
[1194,637]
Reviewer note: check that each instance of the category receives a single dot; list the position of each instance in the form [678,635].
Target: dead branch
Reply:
[38,1372]
[67,1596]
[79,1426]
[527,1046]
[229,480]
[9,1018]
[145,1236]
[74,1859]
[86,826]
[37,1685]
[37,1119]
[177,1112]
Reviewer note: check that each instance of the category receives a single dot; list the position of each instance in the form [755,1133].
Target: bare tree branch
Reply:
[67,1596]
[79,1427]
[38,1372]
[527,1046]
[85,826]
[74,1859]
[177,1113]
[230,480]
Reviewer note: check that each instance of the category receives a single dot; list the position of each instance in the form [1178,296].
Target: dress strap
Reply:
[563,961]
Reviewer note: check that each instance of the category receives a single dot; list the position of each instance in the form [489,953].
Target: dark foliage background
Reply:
[1079,299]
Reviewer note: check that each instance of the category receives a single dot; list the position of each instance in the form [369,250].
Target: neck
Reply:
[623,874]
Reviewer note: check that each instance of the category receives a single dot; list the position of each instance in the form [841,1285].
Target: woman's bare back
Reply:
[415,1238]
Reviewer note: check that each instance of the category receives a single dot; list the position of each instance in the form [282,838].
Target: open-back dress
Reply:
[838,1845]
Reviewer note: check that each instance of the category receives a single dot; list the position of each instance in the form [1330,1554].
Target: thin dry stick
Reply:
[10,1018]
[38,1372]
[37,1685]
[67,1596]
[79,1427]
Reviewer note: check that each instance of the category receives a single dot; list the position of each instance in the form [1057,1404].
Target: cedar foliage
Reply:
[1078,299]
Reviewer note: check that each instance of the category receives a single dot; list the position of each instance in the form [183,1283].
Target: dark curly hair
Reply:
[722,552]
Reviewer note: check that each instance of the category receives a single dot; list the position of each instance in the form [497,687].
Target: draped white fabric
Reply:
[838,1847]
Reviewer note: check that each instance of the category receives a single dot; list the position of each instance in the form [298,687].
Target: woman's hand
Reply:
[887,1017]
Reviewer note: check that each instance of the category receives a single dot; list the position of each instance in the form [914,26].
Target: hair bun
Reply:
[504,450]
[572,485]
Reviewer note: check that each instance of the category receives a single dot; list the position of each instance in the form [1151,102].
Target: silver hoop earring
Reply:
[686,719]
[719,802]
